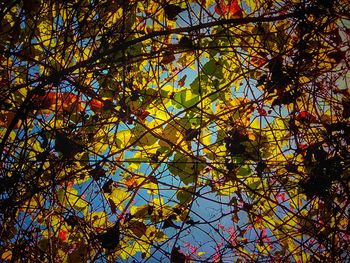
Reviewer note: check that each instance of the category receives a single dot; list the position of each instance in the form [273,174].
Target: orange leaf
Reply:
[221,8]
[100,104]
[131,183]
[181,82]
[60,101]
[44,102]
[69,101]
[6,119]
[96,105]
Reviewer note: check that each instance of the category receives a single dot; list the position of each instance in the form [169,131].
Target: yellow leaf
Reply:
[75,199]
[152,188]
[98,219]
[114,17]
[33,203]
[71,197]
[252,4]
[124,137]
[255,124]
[263,248]
[128,251]
[118,196]
[100,147]
[142,136]
[45,33]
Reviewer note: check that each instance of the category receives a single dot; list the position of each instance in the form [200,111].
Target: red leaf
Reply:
[234,9]
[221,8]
[302,147]
[283,197]
[231,8]
[256,61]
[142,114]
[62,235]
[306,116]
[262,112]
[302,114]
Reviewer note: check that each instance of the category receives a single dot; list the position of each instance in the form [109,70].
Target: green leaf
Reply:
[185,98]
[181,166]
[213,68]
[185,167]
[185,195]
[244,170]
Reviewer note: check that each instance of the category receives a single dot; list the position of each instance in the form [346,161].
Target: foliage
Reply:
[182,131]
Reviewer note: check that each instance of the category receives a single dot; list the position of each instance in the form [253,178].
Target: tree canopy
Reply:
[175,131]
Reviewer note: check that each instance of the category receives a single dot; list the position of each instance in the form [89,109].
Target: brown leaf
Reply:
[138,228]
[113,206]
[168,57]
[107,187]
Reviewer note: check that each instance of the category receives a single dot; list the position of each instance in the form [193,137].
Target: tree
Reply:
[182,131]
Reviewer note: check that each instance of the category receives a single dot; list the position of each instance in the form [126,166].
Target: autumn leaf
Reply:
[232,8]
[96,105]
[168,57]
[60,101]
[142,114]
[129,130]
[62,235]
[138,228]
[305,116]
[170,223]
[186,43]
[97,173]
[7,255]
[107,186]
[181,82]
[262,112]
